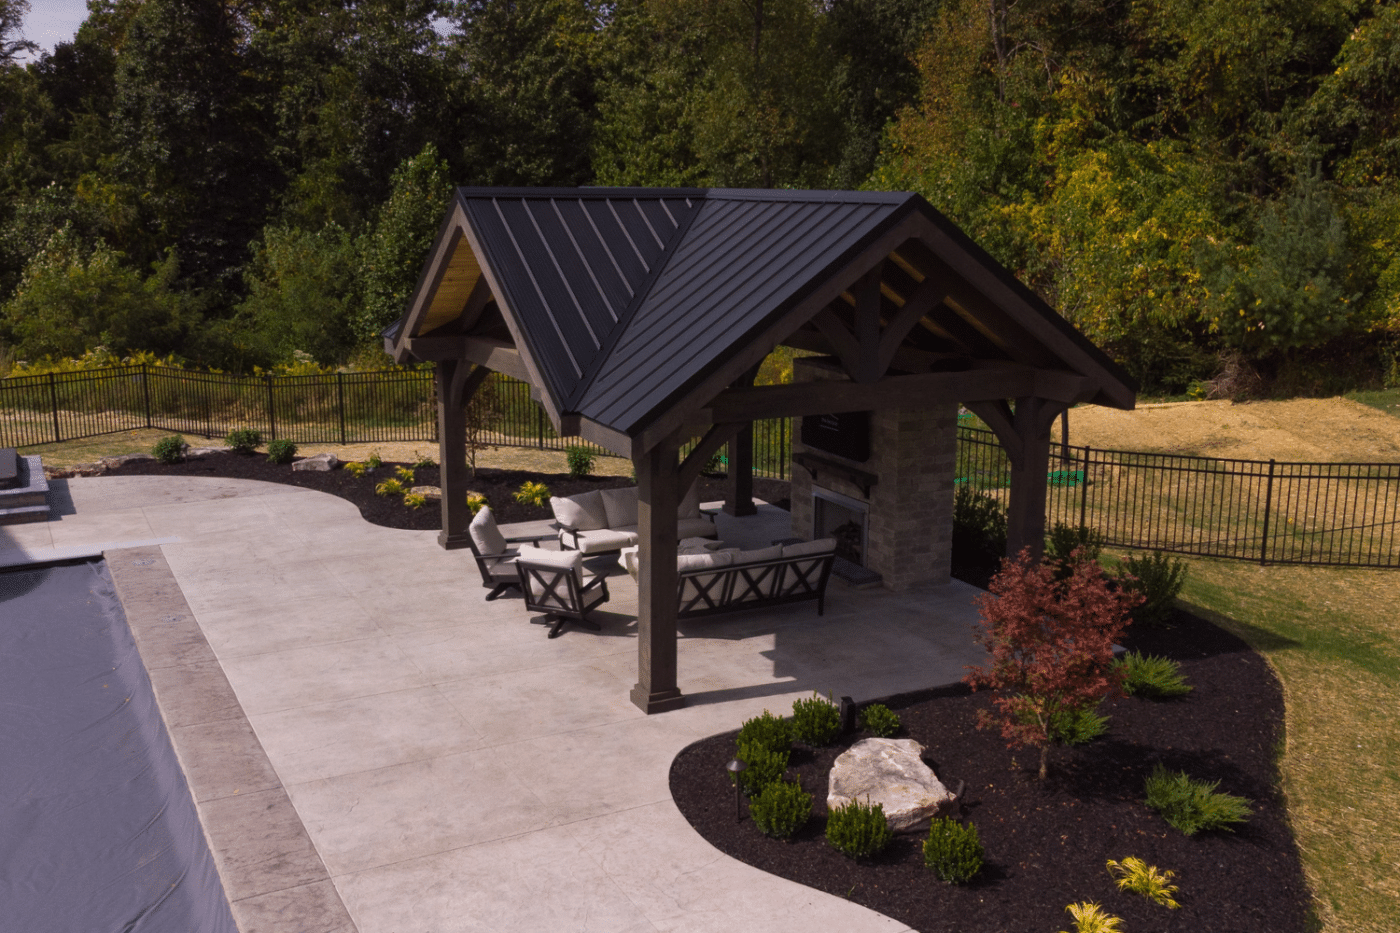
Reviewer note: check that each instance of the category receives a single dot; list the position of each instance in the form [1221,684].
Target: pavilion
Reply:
[640,316]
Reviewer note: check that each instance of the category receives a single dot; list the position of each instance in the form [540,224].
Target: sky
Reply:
[53,21]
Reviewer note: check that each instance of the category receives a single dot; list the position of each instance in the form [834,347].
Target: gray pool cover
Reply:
[97,828]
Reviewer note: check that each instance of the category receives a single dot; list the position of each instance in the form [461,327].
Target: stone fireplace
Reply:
[901,492]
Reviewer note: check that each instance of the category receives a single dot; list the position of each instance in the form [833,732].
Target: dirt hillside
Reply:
[1308,430]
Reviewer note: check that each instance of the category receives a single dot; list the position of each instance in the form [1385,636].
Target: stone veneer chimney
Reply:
[913,455]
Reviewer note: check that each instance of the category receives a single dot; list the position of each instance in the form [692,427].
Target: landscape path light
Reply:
[734,767]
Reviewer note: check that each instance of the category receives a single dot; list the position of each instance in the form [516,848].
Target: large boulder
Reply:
[892,773]
[320,463]
[113,463]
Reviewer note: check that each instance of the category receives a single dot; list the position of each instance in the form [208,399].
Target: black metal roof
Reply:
[625,298]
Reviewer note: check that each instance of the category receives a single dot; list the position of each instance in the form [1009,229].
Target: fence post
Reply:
[271,410]
[53,400]
[340,395]
[1084,490]
[146,390]
[539,425]
[1268,502]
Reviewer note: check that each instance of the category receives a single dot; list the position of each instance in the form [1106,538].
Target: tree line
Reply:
[1209,189]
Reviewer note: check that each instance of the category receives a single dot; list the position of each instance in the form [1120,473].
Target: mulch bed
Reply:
[1047,842]
[498,486]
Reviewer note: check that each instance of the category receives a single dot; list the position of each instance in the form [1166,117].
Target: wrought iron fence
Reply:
[1341,514]
[336,408]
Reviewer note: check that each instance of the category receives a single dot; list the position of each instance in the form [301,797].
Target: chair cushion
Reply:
[584,511]
[763,553]
[620,505]
[485,535]
[819,546]
[686,562]
[605,539]
[561,560]
[695,528]
[690,503]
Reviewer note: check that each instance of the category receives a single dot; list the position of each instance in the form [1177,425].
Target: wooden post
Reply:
[1025,514]
[452,454]
[738,495]
[658,498]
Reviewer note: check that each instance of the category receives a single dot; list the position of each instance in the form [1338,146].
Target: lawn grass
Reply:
[1386,400]
[1333,637]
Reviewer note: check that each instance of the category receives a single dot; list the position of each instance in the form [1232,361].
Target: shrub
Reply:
[415,500]
[532,494]
[765,766]
[1090,918]
[169,449]
[390,487]
[422,461]
[355,468]
[1192,806]
[858,830]
[243,440]
[475,502]
[953,851]
[879,720]
[1157,579]
[1051,647]
[816,721]
[1137,877]
[1152,676]
[767,731]
[1077,726]
[781,809]
[405,475]
[979,528]
[372,461]
[1065,546]
[580,459]
[281,451]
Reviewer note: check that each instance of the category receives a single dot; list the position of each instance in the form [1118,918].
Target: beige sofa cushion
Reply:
[763,553]
[584,511]
[605,539]
[819,546]
[485,535]
[620,506]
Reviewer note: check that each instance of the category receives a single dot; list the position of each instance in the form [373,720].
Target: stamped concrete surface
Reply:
[374,747]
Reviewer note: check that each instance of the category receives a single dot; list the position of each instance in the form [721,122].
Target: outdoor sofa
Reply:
[604,521]
[727,580]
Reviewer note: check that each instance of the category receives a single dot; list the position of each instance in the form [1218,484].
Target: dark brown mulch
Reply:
[498,486]
[1047,842]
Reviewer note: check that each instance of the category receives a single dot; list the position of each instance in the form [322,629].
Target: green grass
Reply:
[1333,637]
[1387,400]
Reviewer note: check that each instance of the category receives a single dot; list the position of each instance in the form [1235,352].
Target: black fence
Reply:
[1341,514]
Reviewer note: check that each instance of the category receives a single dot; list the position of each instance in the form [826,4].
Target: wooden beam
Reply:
[928,296]
[658,581]
[501,357]
[867,321]
[716,437]
[845,345]
[452,456]
[449,235]
[465,381]
[999,417]
[604,436]
[921,391]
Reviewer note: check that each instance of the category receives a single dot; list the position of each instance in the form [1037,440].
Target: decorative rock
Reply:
[83,469]
[204,451]
[889,772]
[427,492]
[112,463]
[320,463]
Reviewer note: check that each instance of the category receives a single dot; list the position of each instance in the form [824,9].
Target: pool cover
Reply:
[97,827]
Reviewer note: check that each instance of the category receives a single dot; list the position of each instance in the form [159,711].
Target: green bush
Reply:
[1157,579]
[1064,540]
[1152,676]
[1192,806]
[815,721]
[390,487]
[765,766]
[415,500]
[879,720]
[422,461]
[979,526]
[281,451]
[373,461]
[532,494]
[405,475]
[858,830]
[475,502]
[580,459]
[767,731]
[244,440]
[355,468]
[781,809]
[1077,726]
[169,449]
[953,851]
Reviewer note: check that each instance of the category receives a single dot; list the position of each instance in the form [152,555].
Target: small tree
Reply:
[1051,645]
[484,410]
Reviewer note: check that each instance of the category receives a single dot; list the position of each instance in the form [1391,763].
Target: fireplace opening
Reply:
[843,518]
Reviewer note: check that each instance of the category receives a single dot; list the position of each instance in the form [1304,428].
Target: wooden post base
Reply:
[661,702]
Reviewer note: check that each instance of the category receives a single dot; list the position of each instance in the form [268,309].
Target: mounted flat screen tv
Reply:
[846,435]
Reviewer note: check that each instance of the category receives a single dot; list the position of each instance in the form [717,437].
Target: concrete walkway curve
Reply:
[453,769]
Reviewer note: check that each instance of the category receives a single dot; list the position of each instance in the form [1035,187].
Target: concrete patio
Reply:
[373,747]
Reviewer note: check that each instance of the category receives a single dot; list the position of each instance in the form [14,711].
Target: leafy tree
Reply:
[393,250]
[72,299]
[301,293]
[12,41]
[1051,647]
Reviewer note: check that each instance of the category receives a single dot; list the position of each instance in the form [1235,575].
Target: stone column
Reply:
[658,498]
[914,453]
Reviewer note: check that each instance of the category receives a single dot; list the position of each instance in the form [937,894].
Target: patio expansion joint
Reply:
[144,571]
